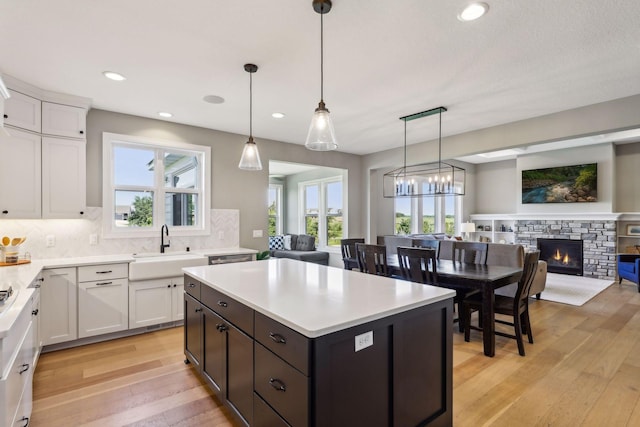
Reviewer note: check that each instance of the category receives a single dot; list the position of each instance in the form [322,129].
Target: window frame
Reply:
[279,188]
[160,147]
[417,211]
[322,241]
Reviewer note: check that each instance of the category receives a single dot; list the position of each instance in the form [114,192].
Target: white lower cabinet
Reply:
[102,299]
[59,305]
[16,368]
[155,301]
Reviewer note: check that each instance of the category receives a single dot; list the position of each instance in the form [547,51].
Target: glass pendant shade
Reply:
[321,136]
[250,159]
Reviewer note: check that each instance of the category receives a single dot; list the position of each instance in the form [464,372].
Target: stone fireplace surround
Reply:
[599,240]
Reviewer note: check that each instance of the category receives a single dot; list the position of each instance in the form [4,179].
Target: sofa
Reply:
[297,246]
[629,268]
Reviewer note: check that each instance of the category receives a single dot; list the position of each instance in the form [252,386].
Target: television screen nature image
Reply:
[564,184]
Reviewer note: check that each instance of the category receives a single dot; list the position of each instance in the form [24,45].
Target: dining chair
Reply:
[349,257]
[372,259]
[470,252]
[426,243]
[517,306]
[418,265]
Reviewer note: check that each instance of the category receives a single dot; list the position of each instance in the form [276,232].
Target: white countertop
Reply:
[313,299]
[20,277]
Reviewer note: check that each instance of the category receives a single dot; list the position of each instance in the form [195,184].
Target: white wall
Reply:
[627,178]
[496,187]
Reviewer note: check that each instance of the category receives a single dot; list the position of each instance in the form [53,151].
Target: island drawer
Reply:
[192,286]
[264,416]
[293,347]
[282,387]
[233,311]
[91,273]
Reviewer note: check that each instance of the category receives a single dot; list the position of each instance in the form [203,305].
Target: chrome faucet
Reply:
[164,230]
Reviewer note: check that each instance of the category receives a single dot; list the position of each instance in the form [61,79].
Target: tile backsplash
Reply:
[72,236]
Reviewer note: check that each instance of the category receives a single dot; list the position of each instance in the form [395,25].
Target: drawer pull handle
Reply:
[222,304]
[35,312]
[277,338]
[25,420]
[104,272]
[198,310]
[103,283]
[191,285]
[221,327]
[23,368]
[277,384]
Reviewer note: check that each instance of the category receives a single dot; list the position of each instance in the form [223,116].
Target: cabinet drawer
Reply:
[293,347]
[192,287]
[282,387]
[264,416]
[238,314]
[91,273]
[226,259]
[18,377]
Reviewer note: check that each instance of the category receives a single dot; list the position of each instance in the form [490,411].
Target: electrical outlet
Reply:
[257,233]
[50,240]
[93,239]
[364,340]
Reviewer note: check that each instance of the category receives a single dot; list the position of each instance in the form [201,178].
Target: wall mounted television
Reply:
[563,184]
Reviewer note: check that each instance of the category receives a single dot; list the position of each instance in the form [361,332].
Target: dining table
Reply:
[484,278]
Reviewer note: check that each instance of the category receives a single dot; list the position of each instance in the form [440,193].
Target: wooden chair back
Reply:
[349,255]
[372,259]
[426,243]
[470,252]
[521,299]
[418,265]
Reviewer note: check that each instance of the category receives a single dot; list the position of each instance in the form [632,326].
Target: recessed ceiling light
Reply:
[165,114]
[277,115]
[473,11]
[114,76]
[213,99]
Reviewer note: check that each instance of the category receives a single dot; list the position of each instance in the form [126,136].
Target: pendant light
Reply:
[424,179]
[250,159]
[321,136]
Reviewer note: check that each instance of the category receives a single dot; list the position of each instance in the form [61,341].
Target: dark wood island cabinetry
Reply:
[315,364]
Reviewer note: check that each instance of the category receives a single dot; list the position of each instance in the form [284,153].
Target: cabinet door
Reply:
[214,358]
[240,372]
[58,301]
[63,120]
[102,307]
[35,320]
[149,302]
[193,330]
[64,177]
[22,111]
[20,183]
[177,292]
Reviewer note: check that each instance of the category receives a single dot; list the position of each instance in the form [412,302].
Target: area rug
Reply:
[572,290]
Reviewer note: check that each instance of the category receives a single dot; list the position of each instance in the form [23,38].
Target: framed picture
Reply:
[633,230]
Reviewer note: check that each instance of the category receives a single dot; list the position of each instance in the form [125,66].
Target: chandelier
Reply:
[424,179]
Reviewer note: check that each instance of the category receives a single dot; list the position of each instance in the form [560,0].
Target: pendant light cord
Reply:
[405,148]
[250,105]
[321,58]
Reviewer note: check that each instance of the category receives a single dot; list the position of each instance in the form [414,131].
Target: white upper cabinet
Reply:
[63,120]
[64,188]
[22,111]
[20,183]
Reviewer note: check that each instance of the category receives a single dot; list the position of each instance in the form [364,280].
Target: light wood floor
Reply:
[584,369]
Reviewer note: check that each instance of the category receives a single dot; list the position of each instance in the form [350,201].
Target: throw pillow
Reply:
[276,243]
[287,242]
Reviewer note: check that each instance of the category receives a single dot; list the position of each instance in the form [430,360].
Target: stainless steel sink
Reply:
[156,265]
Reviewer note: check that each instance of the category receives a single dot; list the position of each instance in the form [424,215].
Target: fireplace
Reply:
[563,256]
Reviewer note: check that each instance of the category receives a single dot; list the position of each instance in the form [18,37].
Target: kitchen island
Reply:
[285,342]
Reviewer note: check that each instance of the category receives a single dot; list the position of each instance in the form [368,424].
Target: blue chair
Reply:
[629,268]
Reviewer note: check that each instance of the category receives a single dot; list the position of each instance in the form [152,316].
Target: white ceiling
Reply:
[383,60]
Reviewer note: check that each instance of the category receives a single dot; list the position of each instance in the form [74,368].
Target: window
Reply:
[323,210]
[275,209]
[438,214]
[148,183]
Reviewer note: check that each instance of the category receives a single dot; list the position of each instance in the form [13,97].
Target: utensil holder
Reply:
[11,254]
